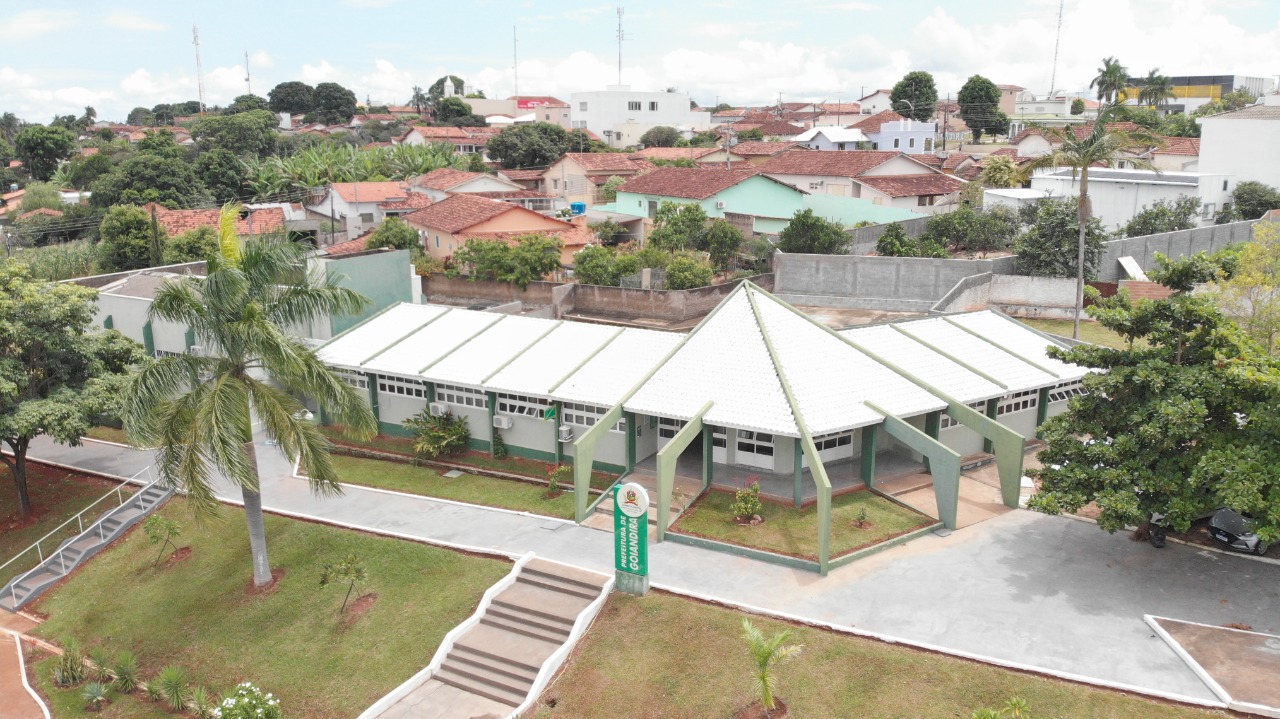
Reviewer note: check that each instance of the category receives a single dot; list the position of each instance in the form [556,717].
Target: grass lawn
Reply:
[56,496]
[469,488]
[195,612]
[671,658]
[108,434]
[1089,332]
[512,465]
[791,531]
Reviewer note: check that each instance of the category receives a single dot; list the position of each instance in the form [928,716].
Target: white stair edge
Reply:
[557,658]
[446,645]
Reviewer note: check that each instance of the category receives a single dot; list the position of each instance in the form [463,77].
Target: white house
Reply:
[890,131]
[832,138]
[354,206]
[1244,144]
[439,184]
[887,178]
[1118,195]
[876,102]
[621,115]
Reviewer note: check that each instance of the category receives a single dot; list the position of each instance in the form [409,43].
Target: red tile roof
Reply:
[350,247]
[606,162]
[40,212]
[1011,87]
[691,183]
[518,175]
[456,213]
[512,194]
[673,153]
[1179,146]
[913,185]
[415,201]
[441,133]
[445,178]
[371,191]
[251,222]
[761,148]
[873,123]
[571,236]
[738,112]
[841,107]
[534,101]
[836,163]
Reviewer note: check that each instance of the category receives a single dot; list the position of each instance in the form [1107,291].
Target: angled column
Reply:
[944,463]
[668,456]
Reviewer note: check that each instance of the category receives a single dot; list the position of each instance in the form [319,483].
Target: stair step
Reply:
[465,683]
[498,664]
[491,676]
[517,650]
[558,584]
[529,619]
[541,602]
[518,627]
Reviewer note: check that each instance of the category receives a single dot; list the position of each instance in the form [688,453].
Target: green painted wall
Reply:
[753,196]
[383,277]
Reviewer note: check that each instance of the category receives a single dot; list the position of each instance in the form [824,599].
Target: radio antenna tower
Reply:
[195,40]
[247,87]
[621,37]
[1053,75]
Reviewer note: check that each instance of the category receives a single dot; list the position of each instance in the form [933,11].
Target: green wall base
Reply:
[628,583]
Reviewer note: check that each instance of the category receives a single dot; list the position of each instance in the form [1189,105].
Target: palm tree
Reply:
[1099,145]
[1112,79]
[767,653]
[200,409]
[420,100]
[1156,90]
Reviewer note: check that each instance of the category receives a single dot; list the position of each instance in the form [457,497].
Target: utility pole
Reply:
[946,116]
[195,40]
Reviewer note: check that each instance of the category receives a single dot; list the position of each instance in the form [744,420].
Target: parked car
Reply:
[1236,531]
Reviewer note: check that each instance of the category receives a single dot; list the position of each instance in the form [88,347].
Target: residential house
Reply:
[466,140]
[1053,110]
[672,154]
[622,115]
[888,130]
[876,102]
[356,206]
[758,152]
[728,117]
[838,113]
[452,222]
[890,179]
[1244,144]
[399,208]
[439,184]
[528,179]
[1179,154]
[1118,195]
[578,176]
[772,130]
[833,138]
[251,222]
[1009,98]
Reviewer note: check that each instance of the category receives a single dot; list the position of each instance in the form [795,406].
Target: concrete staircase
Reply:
[26,588]
[495,665]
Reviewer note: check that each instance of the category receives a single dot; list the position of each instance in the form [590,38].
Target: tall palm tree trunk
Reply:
[1083,221]
[257,529]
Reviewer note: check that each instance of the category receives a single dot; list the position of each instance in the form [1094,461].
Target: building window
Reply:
[548,117]
[1067,390]
[1018,402]
[760,443]
[166,353]
[555,184]
[522,405]
[911,142]
[358,381]
[437,242]
[667,427]
[401,386]
[839,145]
[897,142]
[926,200]
[831,441]
[586,415]
[653,107]
[815,185]
[928,144]
[1224,185]
[633,106]
[948,422]
[461,396]
[366,218]
[582,107]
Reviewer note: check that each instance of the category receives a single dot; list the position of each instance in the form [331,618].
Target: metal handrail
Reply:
[13,584]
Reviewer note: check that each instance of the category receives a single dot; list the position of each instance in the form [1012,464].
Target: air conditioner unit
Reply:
[437,409]
[564,433]
[719,204]
[501,422]
[196,351]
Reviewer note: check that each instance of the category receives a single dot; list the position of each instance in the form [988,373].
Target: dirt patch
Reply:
[179,554]
[756,710]
[1238,625]
[359,608]
[864,525]
[267,589]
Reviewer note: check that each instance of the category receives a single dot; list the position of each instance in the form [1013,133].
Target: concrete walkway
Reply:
[16,701]
[1021,589]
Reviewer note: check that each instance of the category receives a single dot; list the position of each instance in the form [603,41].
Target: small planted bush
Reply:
[350,571]
[499,446]
[435,437]
[95,694]
[70,669]
[162,531]
[99,667]
[746,503]
[201,704]
[562,474]
[125,670]
[173,687]
[249,702]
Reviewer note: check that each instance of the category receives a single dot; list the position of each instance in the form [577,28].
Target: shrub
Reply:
[562,474]
[191,246]
[161,530]
[394,233]
[435,437]
[201,704]
[499,446]
[98,667]
[125,670]
[686,273]
[153,689]
[746,502]
[249,702]
[1049,246]
[810,234]
[70,669]
[173,686]
[1164,216]
[95,694]
[350,571]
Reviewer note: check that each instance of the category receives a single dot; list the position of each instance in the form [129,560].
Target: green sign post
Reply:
[631,538]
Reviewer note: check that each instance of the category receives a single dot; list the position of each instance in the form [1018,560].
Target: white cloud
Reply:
[312,74]
[10,78]
[386,84]
[134,21]
[31,23]
[261,59]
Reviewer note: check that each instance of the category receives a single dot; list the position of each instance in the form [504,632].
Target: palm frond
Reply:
[228,239]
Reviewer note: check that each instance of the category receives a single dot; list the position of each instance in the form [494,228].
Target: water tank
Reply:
[578,208]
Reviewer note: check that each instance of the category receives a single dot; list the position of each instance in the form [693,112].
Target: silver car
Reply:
[1236,531]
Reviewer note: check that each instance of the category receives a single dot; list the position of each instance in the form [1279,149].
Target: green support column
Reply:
[109,323]
[148,340]
[798,453]
[630,418]
[932,427]
[992,407]
[945,461]
[869,456]
[189,338]
[707,453]
[555,433]
[431,392]
[372,380]
[493,409]
[1042,410]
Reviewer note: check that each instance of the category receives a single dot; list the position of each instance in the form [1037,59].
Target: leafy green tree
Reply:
[240,313]
[660,136]
[971,230]
[1251,199]
[222,174]
[1147,117]
[1179,124]
[150,178]
[609,191]
[450,109]
[1101,146]
[10,126]
[161,143]
[394,233]
[536,144]
[807,233]
[1180,422]
[915,96]
[754,133]
[293,97]
[245,103]
[334,104]
[58,375]
[7,152]
[1077,106]
[42,148]
[350,571]
[191,246]
[252,132]
[436,92]
[476,163]
[722,241]
[678,226]
[685,273]
[1250,293]
[1164,216]
[530,258]
[979,100]
[1156,90]
[1111,80]
[81,172]
[126,234]
[1048,247]
[1238,98]
[608,232]
[596,265]
[1000,171]
[766,654]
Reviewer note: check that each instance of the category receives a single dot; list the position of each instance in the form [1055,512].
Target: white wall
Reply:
[1115,203]
[1245,149]
[913,137]
[611,110]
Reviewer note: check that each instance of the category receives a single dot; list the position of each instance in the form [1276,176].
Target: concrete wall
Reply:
[386,278]
[864,238]
[1245,149]
[891,283]
[1171,244]
[193,268]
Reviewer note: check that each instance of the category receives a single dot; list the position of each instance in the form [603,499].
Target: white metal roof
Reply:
[617,367]
[1020,340]
[451,328]
[949,376]
[351,348]
[486,352]
[831,380]
[978,354]
[544,364]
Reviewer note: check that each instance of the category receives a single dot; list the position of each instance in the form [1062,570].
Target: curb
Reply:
[1193,545]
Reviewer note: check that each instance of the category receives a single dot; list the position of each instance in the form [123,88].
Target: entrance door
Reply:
[719,441]
[755,449]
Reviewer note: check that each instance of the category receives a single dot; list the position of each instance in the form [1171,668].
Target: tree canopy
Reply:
[1111,80]
[42,148]
[58,376]
[1049,247]
[334,104]
[1250,292]
[807,233]
[915,96]
[1164,216]
[452,108]
[252,132]
[1251,199]
[660,136]
[150,178]
[394,233]
[536,144]
[529,258]
[980,107]
[127,239]
[293,97]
